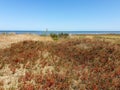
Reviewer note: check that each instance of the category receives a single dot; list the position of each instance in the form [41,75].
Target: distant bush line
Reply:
[58,36]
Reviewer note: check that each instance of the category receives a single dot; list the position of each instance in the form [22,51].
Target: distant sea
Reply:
[57,32]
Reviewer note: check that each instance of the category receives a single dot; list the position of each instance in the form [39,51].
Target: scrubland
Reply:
[80,62]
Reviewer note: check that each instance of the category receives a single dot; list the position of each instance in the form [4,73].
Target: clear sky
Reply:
[59,14]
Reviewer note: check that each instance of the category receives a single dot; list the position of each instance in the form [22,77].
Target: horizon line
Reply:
[47,29]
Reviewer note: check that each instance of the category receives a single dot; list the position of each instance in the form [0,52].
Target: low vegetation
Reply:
[74,64]
[59,36]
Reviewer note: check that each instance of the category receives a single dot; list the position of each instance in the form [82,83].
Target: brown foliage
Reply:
[82,64]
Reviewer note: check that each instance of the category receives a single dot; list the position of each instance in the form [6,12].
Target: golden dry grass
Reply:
[8,39]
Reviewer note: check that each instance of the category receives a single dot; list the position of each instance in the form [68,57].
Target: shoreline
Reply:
[65,32]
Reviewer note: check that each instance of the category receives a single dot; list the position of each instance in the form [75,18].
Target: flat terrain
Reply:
[79,62]
[107,37]
[8,39]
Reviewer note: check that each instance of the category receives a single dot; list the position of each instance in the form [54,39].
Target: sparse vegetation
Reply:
[76,64]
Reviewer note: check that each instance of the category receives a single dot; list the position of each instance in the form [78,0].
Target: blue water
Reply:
[57,32]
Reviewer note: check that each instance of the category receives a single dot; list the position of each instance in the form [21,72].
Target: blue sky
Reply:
[60,14]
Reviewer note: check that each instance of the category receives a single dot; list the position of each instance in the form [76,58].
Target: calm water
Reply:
[57,32]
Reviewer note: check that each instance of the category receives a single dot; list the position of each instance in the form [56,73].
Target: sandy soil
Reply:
[7,40]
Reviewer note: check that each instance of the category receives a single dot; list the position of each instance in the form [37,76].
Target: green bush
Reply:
[54,36]
[58,36]
[63,35]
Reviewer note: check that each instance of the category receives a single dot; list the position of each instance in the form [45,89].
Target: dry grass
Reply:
[70,64]
[113,38]
[7,40]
